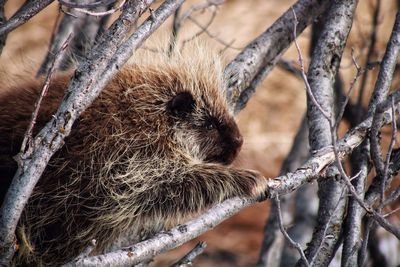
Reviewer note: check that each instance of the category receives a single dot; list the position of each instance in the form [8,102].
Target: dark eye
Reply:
[210,125]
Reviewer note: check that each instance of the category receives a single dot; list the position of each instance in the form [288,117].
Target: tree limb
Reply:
[321,77]
[256,60]
[355,211]
[27,11]
[3,21]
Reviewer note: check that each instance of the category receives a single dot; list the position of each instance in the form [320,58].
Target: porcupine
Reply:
[152,150]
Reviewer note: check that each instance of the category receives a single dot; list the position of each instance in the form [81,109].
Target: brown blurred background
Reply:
[268,123]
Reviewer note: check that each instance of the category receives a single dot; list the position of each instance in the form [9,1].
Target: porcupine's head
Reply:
[204,126]
[187,90]
[198,109]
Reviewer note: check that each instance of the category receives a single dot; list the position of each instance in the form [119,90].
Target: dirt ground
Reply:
[268,123]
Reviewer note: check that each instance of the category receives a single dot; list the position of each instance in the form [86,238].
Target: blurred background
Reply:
[268,123]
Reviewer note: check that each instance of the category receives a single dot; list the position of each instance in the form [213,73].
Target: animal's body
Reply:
[152,150]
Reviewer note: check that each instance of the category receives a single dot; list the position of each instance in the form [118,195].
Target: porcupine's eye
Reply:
[181,105]
[210,124]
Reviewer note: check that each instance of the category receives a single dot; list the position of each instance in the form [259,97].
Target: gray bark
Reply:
[355,211]
[251,66]
[3,21]
[27,11]
[321,77]
[84,28]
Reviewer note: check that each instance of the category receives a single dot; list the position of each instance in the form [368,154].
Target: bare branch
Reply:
[27,11]
[310,94]
[362,255]
[320,110]
[61,32]
[347,98]
[371,50]
[28,135]
[373,192]
[355,211]
[99,13]
[87,5]
[85,29]
[291,241]
[198,7]
[174,32]
[255,61]
[191,255]
[28,146]
[382,87]
[289,67]
[392,197]
[89,249]
[3,21]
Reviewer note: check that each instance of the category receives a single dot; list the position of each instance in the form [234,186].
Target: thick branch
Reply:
[382,87]
[322,73]
[259,57]
[2,22]
[355,211]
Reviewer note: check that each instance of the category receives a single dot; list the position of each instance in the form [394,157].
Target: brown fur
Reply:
[151,151]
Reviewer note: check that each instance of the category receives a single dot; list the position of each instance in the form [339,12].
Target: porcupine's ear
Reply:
[181,104]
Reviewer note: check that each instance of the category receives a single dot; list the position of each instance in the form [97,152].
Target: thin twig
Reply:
[246,71]
[191,255]
[371,50]
[25,13]
[391,212]
[392,197]
[97,13]
[87,5]
[288,238]
[388,156]
[174,32]
[326,114]
[352,83]
[28,135]
[198,7]
[271,249]
[204,29]
[7,247]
